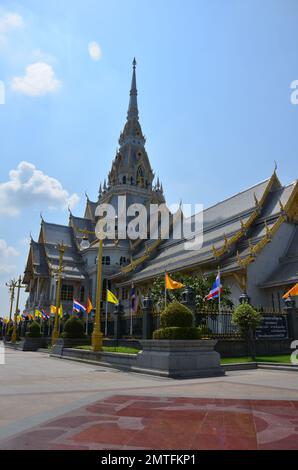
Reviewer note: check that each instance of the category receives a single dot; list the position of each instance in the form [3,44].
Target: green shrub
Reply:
[247,318]
[34,330]
[73,328]
[177,323]
[9,332]
[176,314]
[204,330]
[177,332]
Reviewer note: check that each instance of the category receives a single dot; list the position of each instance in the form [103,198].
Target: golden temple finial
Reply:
[251,247]
[282,208]
[256,200]
[239,260]
[214,251]
[268,232]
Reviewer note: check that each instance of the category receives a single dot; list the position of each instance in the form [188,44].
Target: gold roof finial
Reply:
[282,208]
[268,233]
[214,251]
[239,260]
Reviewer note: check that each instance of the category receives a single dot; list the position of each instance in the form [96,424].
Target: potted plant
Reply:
[177,349]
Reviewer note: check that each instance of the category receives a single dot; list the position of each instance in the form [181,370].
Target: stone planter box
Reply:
[179,358]
[119,360]
[31,344]
[63,343]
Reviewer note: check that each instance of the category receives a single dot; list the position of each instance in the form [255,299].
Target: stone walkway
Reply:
[57,404]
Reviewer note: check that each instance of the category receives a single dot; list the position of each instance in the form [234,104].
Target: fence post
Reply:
[118,321]
[189,300]
[147,318]
[291,310]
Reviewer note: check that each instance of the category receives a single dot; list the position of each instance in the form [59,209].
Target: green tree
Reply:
[201,286]
[247,318]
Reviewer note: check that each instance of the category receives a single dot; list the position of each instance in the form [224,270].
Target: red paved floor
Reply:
[132,422]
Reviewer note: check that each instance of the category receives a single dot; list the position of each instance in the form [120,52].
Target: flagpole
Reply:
[131,310]
[106,322]
[87,323]
[219,303]
[165,289]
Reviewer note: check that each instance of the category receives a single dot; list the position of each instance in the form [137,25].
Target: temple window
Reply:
[122,260]
[66,292]
[82,294]
[140,176]
[124,180]
[106,260]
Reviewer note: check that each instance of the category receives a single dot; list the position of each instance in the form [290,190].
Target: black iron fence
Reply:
[275,324]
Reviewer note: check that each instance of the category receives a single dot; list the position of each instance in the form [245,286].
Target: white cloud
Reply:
[38,80]
[6,253]
[8,22]
[94,50]
[28,186]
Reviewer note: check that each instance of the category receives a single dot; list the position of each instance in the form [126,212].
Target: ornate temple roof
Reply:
[287,271]
[232,230]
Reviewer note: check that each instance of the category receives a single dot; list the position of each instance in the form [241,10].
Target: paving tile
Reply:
[132,422]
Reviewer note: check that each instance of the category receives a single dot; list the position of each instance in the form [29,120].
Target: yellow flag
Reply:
[171,284]
[60,312]
[293,291]
[38,314]
[112,298]
[52,309]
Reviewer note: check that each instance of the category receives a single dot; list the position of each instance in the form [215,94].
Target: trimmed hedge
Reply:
[34,330]
[177,332]
[204,330]
[176,314]
[73,328]
[177,323]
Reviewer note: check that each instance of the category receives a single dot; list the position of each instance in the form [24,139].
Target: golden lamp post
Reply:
[55,334]
[12,285]
[19,287]
[96,339]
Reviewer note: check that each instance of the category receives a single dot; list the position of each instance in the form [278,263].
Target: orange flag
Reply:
[171,284]
[292,291]
[89,306]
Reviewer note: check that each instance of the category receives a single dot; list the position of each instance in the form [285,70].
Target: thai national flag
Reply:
[216,289]
[78,307]
[45,315]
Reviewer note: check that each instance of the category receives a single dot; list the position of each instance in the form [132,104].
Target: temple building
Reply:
[252,236]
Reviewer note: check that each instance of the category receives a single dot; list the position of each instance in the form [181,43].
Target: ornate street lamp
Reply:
[19,287]
[55,334]
[244,299]
[12,285]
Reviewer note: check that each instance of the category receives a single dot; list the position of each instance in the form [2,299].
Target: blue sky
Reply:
[214,95]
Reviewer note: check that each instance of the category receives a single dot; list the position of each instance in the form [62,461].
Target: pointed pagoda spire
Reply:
[100,191]
[133,112]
